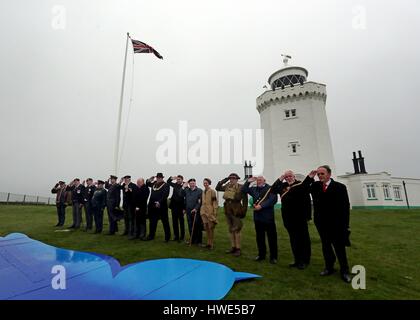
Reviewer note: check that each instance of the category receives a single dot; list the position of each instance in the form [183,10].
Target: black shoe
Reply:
[231,250]
[57,225]
[259,258]
[273,261]
[346,277]
[148,238]
[71,227]
[301,266]
[293,265]
[327,272]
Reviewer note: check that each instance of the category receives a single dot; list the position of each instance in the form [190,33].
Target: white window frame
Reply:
[386,190]
[296,144]
[371,191]
[288,114]
[397,192]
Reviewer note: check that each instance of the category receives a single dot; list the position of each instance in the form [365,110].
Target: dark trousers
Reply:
[196,235]
[61,213]
[154,215]
[129,220]
[300,241]
[112,217]
[98,214]
[178,223]
[77,215]
[333,249]
[89,215]
[269,229]
[140,222]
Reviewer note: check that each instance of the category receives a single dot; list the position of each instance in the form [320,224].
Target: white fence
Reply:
[13,198]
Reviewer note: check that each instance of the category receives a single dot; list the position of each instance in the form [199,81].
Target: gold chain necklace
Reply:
[157,189]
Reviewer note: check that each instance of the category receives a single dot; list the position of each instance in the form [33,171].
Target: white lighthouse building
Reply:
[293,116]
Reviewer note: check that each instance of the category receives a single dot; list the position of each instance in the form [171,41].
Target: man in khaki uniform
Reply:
[234,209]
[209,207]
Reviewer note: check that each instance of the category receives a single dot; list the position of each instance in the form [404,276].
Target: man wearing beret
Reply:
[113,200]
[98,203]
[78,198]
[89,191]
[60,202]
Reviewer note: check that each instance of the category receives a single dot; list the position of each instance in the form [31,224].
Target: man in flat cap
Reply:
[235,204]
[193,196]
[129,206]
[113,200]
[158,206]
[98,203]
[78,200]
[60,202]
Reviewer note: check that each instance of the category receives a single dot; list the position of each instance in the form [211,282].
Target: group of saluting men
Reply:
[149,200]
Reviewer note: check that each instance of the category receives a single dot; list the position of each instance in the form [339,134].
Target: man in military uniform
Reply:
[113,203]
[158,206]
[78,199]
[141,194]
[89,191]
[235,205]
[60,202]
[263,203]
[296,210]
[98,204]
[129,206]
[176,205]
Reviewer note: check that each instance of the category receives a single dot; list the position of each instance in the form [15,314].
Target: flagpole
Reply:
[117,140]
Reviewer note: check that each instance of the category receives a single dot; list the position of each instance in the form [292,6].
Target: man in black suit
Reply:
[141,194]
[129,206]
[177,206]
[296,210]
[332,219]
[158,206]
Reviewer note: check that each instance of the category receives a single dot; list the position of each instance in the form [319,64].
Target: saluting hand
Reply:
[312,174]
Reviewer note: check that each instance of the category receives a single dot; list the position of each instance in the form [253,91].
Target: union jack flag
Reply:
[141,47]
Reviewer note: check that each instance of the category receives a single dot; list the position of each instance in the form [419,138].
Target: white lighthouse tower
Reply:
[293,116]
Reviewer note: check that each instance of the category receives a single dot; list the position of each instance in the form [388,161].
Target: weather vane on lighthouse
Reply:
[286,59]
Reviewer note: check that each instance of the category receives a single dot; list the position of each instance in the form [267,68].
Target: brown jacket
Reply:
[209,205]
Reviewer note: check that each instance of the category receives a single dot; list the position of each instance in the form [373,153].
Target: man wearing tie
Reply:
[332,220]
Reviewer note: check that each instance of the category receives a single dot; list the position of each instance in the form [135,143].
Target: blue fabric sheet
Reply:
[26,273]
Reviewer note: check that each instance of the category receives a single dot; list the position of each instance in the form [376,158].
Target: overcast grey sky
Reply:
[59,88]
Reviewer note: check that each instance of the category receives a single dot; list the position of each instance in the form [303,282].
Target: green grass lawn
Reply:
[386,243]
